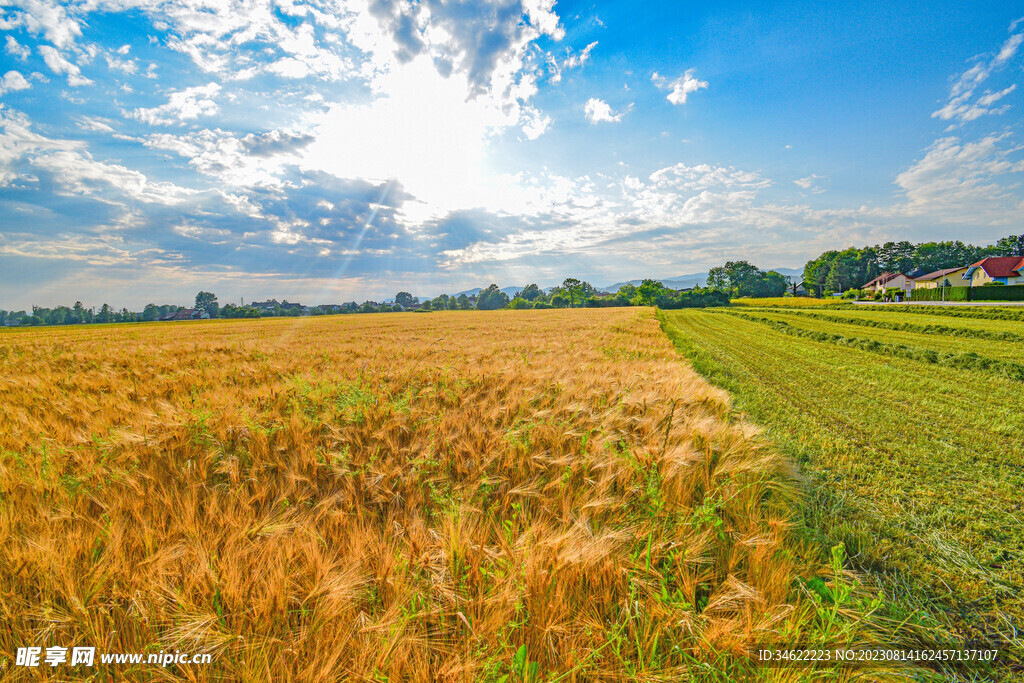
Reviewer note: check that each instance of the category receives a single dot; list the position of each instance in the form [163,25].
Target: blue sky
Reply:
[331,150]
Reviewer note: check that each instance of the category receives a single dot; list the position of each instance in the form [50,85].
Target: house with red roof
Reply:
[1007,270]
[888,280]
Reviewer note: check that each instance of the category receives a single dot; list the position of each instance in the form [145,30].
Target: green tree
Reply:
[207,302]
[519,303]
[105,315]
[740,276]
[746,279]
[932,256]
[773,284]
[531,292]
[491,299]
[626,294]
[577,291]
[1012,245]
[896,257]
[464,303]
[648,292]
[78,313]
[571,289]
[405,299]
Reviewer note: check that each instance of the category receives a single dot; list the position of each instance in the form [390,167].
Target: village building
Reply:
[1005,270]
[934,279]
[187,314]
[890,280]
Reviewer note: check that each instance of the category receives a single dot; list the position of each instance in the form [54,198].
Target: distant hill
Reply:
[511,291]
[678,282]
[692,280]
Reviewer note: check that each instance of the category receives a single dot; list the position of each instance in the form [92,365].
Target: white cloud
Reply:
[18,139]
[181,106]
[443,81]
[13,80]
[95,124]
[74,169]
[534,123]
[990,98]
[572,61]
[704,176]
[672,199]
[1009,48]
[16,49]
[59,65]
[249,161]
[204,233]
[808,183]
[598,110]
[962,106]
[128,66]
[79,174]
[966,182]
[681,88]
[580,58]
[41,16]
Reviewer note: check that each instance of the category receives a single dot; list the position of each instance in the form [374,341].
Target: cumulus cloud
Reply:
[681,88]
[181,106]
[964,181]
[597,110]
[116,63]
[59,65]
[485,41]
[41,16]
[13,80]
[16,49]
[534,123]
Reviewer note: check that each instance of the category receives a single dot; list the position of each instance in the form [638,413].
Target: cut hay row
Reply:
[964,360]
[915,467]
[992,332]
[984,312]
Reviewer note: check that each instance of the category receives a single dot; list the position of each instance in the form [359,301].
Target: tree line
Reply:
[838,271]
[572,293]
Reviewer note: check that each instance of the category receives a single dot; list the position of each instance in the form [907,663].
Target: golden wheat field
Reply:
[464,496]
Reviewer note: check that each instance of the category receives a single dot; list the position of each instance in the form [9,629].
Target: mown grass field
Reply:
[914,452]
[989,341]
[792,302]
[464,496]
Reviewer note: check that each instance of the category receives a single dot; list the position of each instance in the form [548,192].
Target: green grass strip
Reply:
[944,330]
[987,313]
[967,360]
